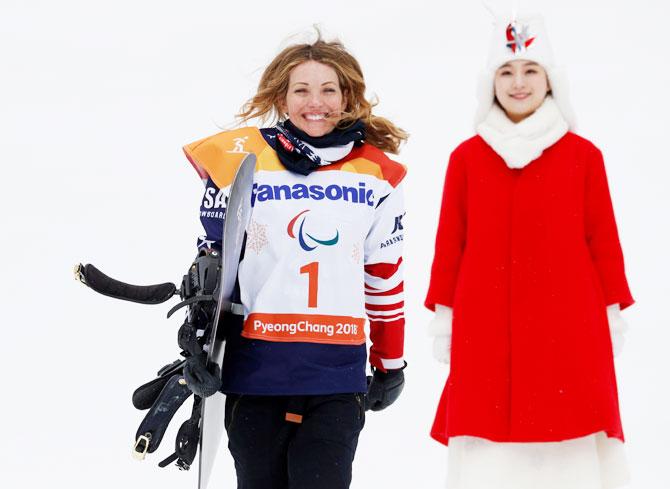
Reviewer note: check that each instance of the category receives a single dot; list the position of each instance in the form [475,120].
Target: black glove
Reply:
[199,379]
[384,388]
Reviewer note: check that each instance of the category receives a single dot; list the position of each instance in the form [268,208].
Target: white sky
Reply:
[96,99]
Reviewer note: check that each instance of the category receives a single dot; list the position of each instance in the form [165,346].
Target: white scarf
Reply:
[520,143]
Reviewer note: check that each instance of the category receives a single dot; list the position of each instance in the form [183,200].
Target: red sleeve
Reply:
[602,237]
[384,304]
[384,299]
[450,240]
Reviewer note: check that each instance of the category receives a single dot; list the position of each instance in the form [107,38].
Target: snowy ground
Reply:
[96,99]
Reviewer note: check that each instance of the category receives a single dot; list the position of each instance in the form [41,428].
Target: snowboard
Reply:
[238,214]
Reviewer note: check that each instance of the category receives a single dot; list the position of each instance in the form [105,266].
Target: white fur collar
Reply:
[519,144]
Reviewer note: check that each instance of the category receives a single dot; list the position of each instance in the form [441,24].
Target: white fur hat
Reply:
[522,37]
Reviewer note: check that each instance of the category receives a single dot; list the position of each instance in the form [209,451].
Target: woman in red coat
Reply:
[528,259]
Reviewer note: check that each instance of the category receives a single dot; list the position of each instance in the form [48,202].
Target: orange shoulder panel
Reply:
[220,155]
[370,160]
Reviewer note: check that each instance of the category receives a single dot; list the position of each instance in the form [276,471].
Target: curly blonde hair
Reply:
[273,87]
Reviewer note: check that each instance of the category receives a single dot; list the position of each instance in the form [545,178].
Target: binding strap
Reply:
[153,426]
[145,395]
[186,444]
[105,285]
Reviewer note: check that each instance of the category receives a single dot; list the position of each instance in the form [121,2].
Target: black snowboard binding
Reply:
[188,375]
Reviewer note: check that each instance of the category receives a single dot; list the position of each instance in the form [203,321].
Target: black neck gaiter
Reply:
[297,157]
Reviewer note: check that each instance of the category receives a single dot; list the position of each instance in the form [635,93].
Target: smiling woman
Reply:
[322,256]
[527,284]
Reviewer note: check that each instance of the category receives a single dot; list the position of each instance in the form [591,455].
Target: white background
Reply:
[96,99]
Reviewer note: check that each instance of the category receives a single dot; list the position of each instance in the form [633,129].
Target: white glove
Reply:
[440,329]
[618,328]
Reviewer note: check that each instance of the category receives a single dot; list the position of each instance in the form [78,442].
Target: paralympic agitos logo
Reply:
[304,237]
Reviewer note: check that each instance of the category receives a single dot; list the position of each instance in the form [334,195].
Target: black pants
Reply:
[273,453]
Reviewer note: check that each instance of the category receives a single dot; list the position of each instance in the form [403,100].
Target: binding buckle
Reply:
[77,273]
[141,446]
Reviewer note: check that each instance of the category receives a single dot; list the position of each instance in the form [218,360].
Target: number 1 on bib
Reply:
[312,271]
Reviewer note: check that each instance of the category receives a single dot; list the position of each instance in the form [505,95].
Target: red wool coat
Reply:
[528,259]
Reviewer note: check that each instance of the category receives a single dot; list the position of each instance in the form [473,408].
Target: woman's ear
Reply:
[282,109]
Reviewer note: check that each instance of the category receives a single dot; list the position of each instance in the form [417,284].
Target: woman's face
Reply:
[521,87]
[314,100]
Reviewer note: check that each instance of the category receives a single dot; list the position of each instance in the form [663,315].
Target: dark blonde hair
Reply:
[273,87]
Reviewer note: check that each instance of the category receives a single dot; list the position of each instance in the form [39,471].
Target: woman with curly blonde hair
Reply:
[322,257]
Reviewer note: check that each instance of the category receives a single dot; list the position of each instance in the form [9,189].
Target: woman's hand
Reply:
[440,329]
[618,328]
